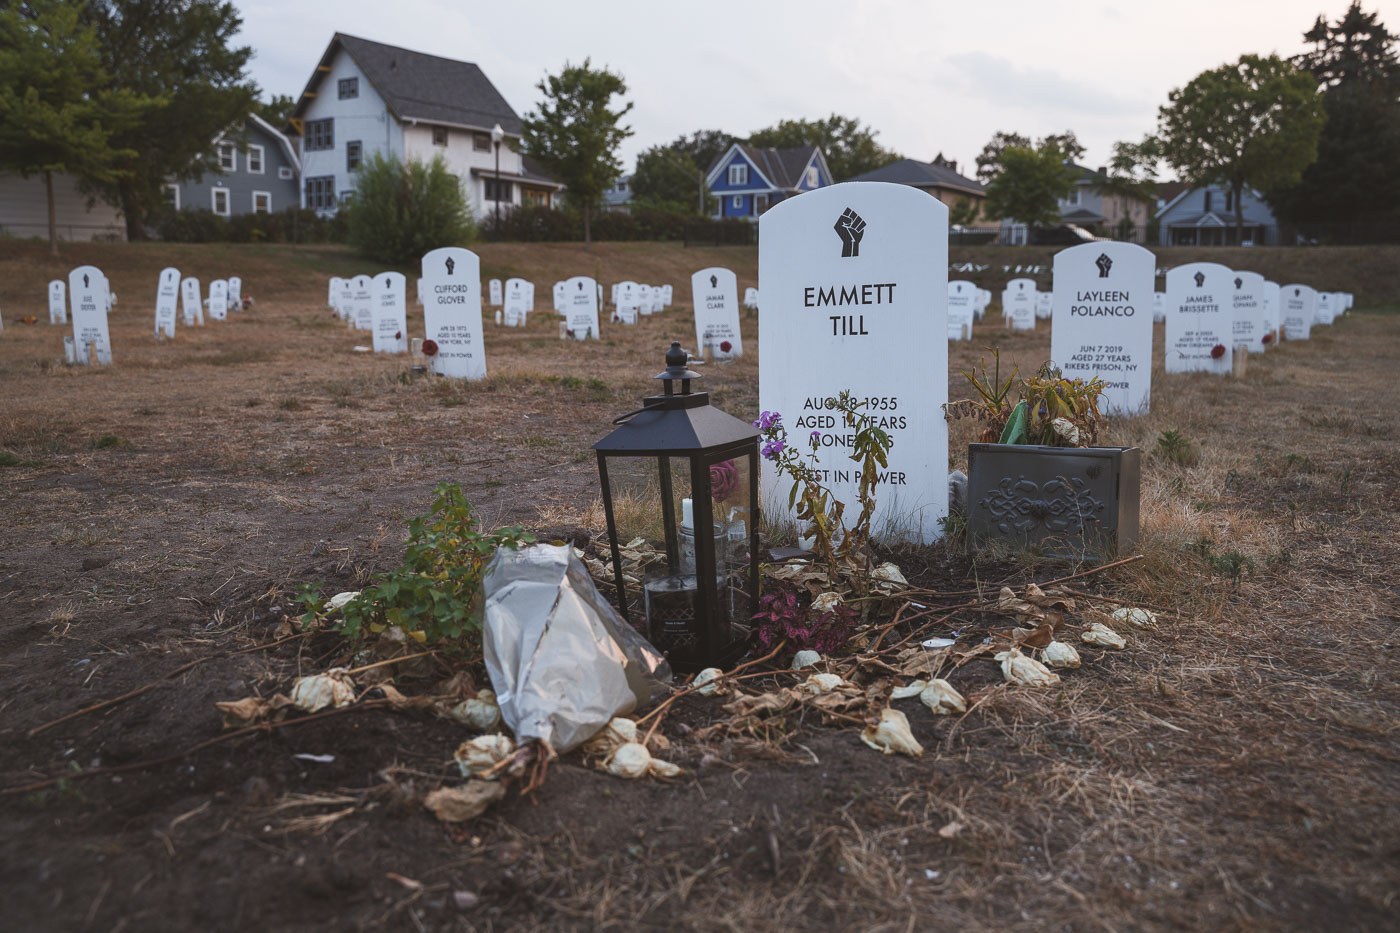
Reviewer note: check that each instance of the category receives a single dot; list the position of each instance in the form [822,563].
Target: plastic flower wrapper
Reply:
[1060,655]
[338,601]
[1025,671]
[1103,636]
[477,756]
[892,735]
[315,693]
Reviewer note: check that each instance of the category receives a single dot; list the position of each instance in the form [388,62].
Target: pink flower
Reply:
[724,480]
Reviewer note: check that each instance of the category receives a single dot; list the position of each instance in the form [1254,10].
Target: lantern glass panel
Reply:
[731,497]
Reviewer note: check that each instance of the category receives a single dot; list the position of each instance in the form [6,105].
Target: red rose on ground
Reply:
[725,346]
[1217,351]
[430,348]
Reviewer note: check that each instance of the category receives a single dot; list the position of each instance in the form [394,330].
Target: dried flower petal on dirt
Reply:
[826,602]
[338,601]
[632,761]
[1059,654]
[249,710]
[817,684]
[480,713]
[1142,618]
[1103,636]
[464,802]
[1009,602]
[315,693]
[889,574]
[942,698]
[477,756]
[618,732]
[892,735]
[1025,671]
[806,658]
[911,689]
[708,683]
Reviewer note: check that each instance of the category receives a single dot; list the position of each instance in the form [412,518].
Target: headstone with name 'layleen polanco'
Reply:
[1200,318]
[1102,321]
[235,293]
[218,300]
[167,298]
[581,307]
[362,302]
[452,312]
[962,302]
[1018,301]
[1273,313]
[497,293]
[390,317]
[1299,303]
[192,307]
[715,294]
[87,296]
[855,290]
[1251,316]
[58,310]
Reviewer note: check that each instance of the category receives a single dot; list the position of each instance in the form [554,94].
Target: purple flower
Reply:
[816,438]
[768,421]
[772,449]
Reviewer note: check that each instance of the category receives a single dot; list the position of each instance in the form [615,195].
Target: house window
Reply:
[284,172]
[262,202]
[228,157]
[812,177]
[498,191]
[349,87]
[218,201]
[481,142]
[172,195]
[320,193]
[1207,200]
[352,155]
[320,135]
[255,160]
[534,197]
[738,174]
[439,136]
[738,202]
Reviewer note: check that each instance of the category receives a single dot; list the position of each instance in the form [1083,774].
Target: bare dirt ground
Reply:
[1235,768]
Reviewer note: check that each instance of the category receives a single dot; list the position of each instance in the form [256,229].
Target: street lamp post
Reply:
[498,134]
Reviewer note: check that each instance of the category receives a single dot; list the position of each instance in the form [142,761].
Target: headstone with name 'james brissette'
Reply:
[452,312]
[1044,305]
[1159,307]
[581,307]
[1251,316]
[235,293]
[714,293]
[1200,318]
[189,302]
[1326,307]
[561,304]
[390,317]
[167,298]
[218,300]
[627,301]
[1018,302]
[1102,321]
[362,302]
[962,297]
[87,295]
[497,292]
[855,284]
[58,311]
[1299,304]
[515,307]
[1273,315]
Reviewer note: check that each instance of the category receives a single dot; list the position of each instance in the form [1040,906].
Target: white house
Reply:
[366,97]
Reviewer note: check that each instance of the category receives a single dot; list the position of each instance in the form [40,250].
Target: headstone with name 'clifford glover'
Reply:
[1200,318]
[58,312]
[1251,315]
[87,294]
[581,307]
[962,303]
[218,300]
[1102,321]
[390,317]
[855,289]
[1018,304]
[190,303]
[715,295]
[167,298]
[452,312]
[1299,304]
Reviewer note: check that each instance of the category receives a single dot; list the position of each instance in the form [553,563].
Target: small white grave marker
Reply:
[190,303]
[1159,307]
[665,296]
[1101,325]
[1252,320]
[452,312]
[390,317]
[1273,312]
[88,297]
[167,297]
[581,307]
[1200,318]
[58,311]
[218,300]
[496,293]
[1299,311]
[1044,305]
[714,292]
[1018,304]
[751,299]
[235,293]
[962,301]
[560,302]
[515,303]
[362,302]
[628,302]
[1326,307]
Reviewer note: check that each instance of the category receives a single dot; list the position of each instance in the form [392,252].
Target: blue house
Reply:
[258,172]
[747,180]
[1206,217]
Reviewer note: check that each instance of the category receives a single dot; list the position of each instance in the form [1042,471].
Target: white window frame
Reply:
[437,128]
[813,176]
[1072,198]
[214,202]
[738,174]
[267,209]
[737,202]
[232,151]
[284,172]
[176,190]
[262,160]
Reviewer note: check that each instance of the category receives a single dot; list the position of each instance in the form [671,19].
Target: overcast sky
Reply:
[929,77]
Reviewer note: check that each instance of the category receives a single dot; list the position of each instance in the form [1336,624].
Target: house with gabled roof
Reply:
[1118,214]
[257,172]
[366,97]
[939,178]
[1206,216]
[747,180]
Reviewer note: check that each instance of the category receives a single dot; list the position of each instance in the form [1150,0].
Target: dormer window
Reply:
[738,175]
[1207,200]
[349,88]
[813,178]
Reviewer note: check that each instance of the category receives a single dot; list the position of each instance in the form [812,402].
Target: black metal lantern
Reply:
[680,491]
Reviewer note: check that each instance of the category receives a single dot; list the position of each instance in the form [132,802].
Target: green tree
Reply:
[672,176]
[575,133]
[1132,170]
[56,116]
[398,212]
[963,213]
[1356,176]
[178,51]
[276,111]
[989,164]
[849,147]
[1029,184]
[1254,123]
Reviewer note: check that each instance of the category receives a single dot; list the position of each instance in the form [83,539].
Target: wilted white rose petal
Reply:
[1060,654]
[481,713]
[629,761]
[892,735]
[1066,430]
[1017,668]
[911,689]
[1103,636]
[941,697]
[821,683]
[1141,618]
[477,756]
[889,572]
[338,601]
[708,682]
[827,602]
[314,693]
[806,658]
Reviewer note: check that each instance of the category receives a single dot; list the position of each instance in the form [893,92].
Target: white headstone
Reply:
[390,317]
[529,296]
[190,303]
[1102,323]
[856,283]
[581,307]
[515,306]
[345,306]
[628,302]
[167,297]
[418,289]
[1273,311]
[58,310]
[612,297]
[1326,307]
[1299,304]
[452,312]
[1044,305]
[1159,307]
[751,298]
[1200,318]
[665,296]
[218,300]
[984,301]
[560,303]
[962,309]
[333,287]
[714,293]
[496,293]
[1018,304]
[235,293]
[88,297]
[1252,319]
[644,302]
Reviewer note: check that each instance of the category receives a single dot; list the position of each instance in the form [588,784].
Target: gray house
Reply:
[259,172]
[1206,217]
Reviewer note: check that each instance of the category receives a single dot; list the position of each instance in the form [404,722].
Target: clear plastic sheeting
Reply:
[562,661]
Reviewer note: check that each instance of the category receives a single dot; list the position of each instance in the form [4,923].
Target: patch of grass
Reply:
[1230,564]
[1299,462]
[236,357]
[8,459]
[1176,447]
[291,403]
[106,441]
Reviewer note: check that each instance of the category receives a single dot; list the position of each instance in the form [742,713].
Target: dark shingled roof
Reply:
[922,175]
[422,87]
[783,167]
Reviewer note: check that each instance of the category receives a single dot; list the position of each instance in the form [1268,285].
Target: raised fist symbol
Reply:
[714,281]
[1239,282]
[850,228]
[1200,279]
[450,264]
[1104,264]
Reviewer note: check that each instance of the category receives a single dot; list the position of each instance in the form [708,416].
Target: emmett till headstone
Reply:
[962,302]
[218,300]
[87,294]
[581,307]
[1252,319]
[390,334]
[1299,311]
[1200,318]
[190,303]
[855,288]
[715,295]
[1102,321]
[452,312]
[58,313]
[1018,304]
[167,297]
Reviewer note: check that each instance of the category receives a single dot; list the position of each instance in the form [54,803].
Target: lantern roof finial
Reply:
[676,358]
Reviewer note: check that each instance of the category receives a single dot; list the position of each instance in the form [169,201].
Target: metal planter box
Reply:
[1074,503]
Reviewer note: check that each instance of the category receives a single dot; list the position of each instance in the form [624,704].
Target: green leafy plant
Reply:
[1176,447]
[435,597]
[400,211]
[1053,410]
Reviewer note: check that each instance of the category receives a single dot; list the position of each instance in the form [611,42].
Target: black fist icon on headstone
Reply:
[850,228]
[714,281]
[1200,279]
[1104,264]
